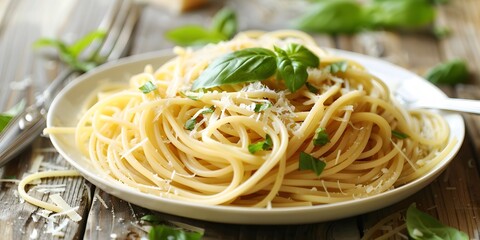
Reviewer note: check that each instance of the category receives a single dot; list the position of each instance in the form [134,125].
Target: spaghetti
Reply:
[140,139]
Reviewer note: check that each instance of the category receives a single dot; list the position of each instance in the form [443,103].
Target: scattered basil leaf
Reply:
[223,27]
[451,72]
[190,124]
[311,88]
[7,116]
[266,144]
[225,22]
[70,54]
[247,65]
[208,110]
[405,14]
[333,17]
[399,135]
[301,54]
[308,162]
[423,226]
[191,35]
[321,137]
[148,87]
[350,16]
[260,107]
[161,232]
[338,67]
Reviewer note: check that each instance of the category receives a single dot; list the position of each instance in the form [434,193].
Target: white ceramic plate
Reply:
[65,112]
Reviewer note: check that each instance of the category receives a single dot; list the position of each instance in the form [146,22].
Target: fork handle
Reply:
[29,124]
[452,104]
[21,131]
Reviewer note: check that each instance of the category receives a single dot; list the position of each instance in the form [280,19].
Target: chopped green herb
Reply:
[394,14]
[70,54]
[260,107]
[266,144]
[308,162]
[338,67]
[148,87]
[423,226]
[257,64]
[190,124]
[399,135]
[321,137]
[223,27]
[451,72]
[208,110]
[311,88]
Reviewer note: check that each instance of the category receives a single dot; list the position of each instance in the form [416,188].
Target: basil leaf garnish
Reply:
[225,22]
[247,65]
[190,35]
[423,226]
[266,144]
[451,72]
[308,162]
[148,87]
[259,107]
[321,137]
[399,135]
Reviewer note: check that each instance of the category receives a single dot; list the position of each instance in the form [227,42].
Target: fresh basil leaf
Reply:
[225,22]
[451,72]
[266,144]
[321,137]
[399,135]
[161,232]
[292,65]
[148,87]
[81,44]
[50,42]
[308,162]
[299,53]
[194,35]
[208,110]
[311,88]
[338,67]
[190,124]
[260,107]
[293,73]
[247,65]
[333,17]
[405,14]
[423,226]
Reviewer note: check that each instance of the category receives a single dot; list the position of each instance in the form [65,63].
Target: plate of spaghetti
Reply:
[266,128]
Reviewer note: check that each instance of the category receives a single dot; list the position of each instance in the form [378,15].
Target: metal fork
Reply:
[119,23]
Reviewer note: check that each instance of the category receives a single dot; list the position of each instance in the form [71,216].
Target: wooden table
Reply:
[453,198]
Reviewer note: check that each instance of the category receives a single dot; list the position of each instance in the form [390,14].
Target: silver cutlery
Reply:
[25,127]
